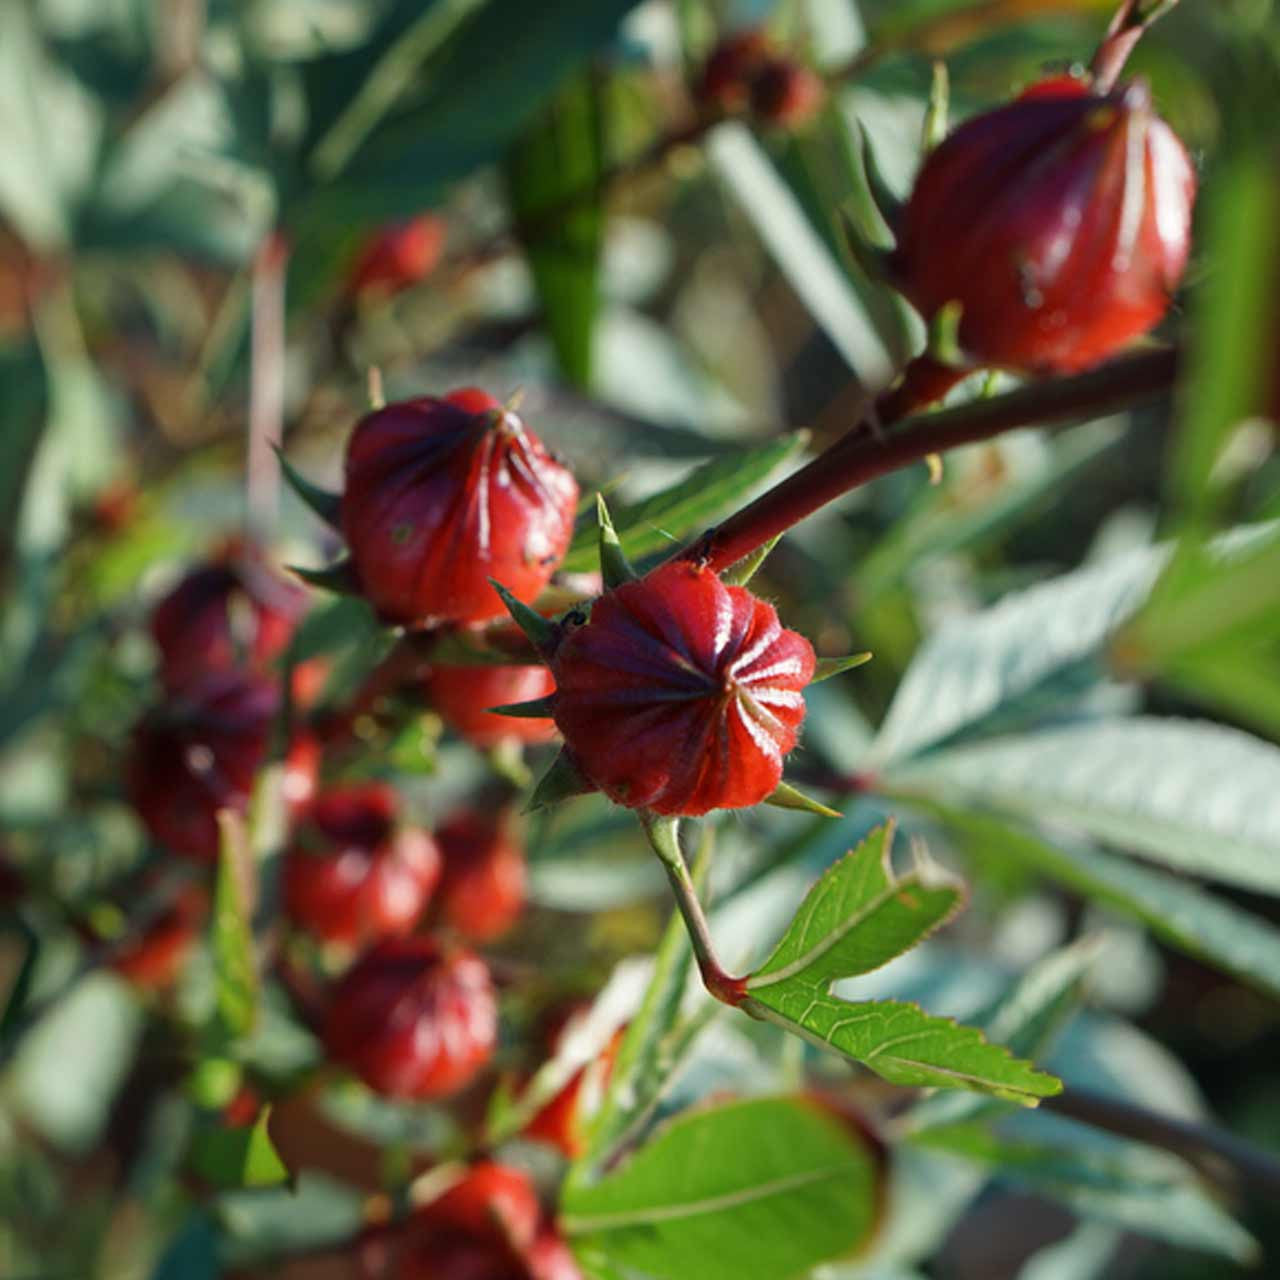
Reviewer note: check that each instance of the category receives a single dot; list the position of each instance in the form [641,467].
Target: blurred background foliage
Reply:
[1057,685]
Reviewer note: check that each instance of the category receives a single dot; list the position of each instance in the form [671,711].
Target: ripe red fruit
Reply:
[489,1202]
[728,71]
[560,1122]
[226,615]
[482,888]
[681,694]
[413,1019]
[155,958]
[442,495]
[1060,223]
[198,754]
[351,875]
[462,696]
[549,1258]
[785,93]
[398,256]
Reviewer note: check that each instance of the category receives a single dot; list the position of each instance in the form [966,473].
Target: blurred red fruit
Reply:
[1060,224]
[727,73]
[231,614]
[681,695]
[561,1123]
[155,958]
[482,887]
[462,695]
[413,1019]
[398,256]
[351,875]
[549,1258]
[440,496]
[197,754]
[490,1201]
[786,94]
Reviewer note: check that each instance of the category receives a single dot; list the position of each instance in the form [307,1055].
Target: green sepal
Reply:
[935,116]
[541,633]
[872,209]
[874,261]
[562,781]
[615,568]
[328,506]
[785,796]
[825,668]
[534,709]
[738,575]
[339,577]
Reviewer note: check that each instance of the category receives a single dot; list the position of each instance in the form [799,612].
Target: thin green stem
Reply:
[664,839]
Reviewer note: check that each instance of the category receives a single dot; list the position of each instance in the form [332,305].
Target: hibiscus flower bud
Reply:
[443,494]
[681,694]
[1058,224]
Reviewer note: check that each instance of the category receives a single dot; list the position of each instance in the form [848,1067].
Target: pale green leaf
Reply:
[1192,794]
[235,966]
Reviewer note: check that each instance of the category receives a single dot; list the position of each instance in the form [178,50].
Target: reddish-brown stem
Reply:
[1125,30]
[858,457]
[925,382]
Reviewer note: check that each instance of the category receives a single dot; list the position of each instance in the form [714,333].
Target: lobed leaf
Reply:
[860,915]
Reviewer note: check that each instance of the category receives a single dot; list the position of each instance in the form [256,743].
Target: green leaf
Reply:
[765,1188]
[1233,348]
[243,1157]
[1181,914]
[548,168]
[903,1044]
[334,625]
[235,966]
[328,506]
[192,1254]
[1194,795]
[1033,649]
[664,518]
[860,916]
[1143,1191]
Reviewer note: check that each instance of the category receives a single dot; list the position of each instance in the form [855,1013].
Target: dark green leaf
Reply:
[243,1157]
[193,1253]
[663,519]
[555,175]
[765,1188]
[328,506]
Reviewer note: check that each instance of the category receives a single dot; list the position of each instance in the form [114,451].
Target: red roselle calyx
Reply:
[200,752]
[155,958]
[442,495]
[398,256]
[680,694]
[482,889]
[746,69]
[463,696]
[352,874]
[1059,224]
[232,613]
[490,1201]
[413,1019]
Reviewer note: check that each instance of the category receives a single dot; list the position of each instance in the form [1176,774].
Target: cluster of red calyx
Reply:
[398,256]
[463,696]
[1058,224]
[746,71]
[681,694]
[443,494]
[488,1225]
[352,874]
[482,890]
[413,1018]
